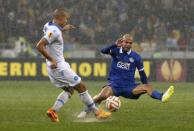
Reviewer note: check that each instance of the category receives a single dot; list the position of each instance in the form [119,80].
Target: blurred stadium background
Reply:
[158,26]
[163,32]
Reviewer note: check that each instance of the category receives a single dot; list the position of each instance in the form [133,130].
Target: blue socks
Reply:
[156,95]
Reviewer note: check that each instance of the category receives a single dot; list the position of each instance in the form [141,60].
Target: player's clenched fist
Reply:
[68,27]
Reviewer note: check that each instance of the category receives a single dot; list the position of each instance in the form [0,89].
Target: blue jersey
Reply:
[123,66]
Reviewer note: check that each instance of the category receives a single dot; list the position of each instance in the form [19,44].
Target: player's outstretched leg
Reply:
[61,100]
[146,88]
[88,101]
[105,93]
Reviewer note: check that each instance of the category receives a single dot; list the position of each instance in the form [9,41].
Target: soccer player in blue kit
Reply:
[121,79]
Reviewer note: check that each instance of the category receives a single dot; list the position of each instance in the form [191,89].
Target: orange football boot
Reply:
[101,114]
[52,115]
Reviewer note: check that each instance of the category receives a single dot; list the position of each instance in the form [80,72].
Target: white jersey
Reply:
[53,34]
[63,75]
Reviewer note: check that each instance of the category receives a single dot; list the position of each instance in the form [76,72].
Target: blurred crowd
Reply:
[154,24]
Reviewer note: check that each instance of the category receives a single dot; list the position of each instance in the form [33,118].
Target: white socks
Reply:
[88,101]
[61,100]
[84,96]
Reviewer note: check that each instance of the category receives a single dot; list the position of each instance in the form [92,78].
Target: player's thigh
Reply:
[140,89]
[71,77]
[64,77]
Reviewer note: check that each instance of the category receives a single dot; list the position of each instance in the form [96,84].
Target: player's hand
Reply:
[119,42]
[68,27]
[53,64]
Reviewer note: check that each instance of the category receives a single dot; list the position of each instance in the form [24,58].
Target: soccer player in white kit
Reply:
[59,71]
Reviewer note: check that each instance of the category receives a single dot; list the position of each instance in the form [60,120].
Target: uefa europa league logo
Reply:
[171,70]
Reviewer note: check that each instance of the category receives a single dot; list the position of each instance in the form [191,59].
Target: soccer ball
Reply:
[113,103]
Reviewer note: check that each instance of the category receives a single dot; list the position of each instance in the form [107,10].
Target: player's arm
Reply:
[143,77]
[108,49]
[142,73]
[68,27]
[41,48]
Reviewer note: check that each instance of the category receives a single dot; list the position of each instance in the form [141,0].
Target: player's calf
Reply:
[99,98]
[141,89]
[153,93]
[147,88]
[88,101]
[103,95]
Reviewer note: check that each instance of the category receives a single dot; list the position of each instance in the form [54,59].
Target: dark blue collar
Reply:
[51,23]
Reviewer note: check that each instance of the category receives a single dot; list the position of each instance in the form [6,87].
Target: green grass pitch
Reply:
[23,106]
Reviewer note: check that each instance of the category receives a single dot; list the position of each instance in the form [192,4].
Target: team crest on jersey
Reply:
[75,78]
[131,59]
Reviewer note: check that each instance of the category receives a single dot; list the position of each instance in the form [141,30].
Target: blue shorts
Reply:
[124,91]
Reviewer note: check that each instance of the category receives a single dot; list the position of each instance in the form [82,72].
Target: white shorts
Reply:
[63,75]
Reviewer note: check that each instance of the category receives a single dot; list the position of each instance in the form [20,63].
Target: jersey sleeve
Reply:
[139,64]
[114,52]
[140,67]
[108,49]
[51,35]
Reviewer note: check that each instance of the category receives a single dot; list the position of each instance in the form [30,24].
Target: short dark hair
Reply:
[60,13]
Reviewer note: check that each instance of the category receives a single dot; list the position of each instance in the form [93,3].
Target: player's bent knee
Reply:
[148,89]
[80,87]
[69,89]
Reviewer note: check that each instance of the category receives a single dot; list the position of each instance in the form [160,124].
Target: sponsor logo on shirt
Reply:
[123,65]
